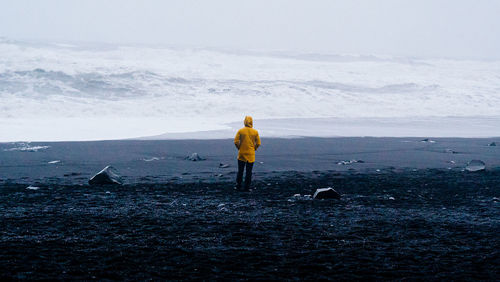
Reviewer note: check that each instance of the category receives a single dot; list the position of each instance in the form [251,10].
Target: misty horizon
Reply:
[308,55]
[423,29]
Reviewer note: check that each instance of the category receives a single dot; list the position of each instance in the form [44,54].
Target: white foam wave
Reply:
[26,147]
[88,89]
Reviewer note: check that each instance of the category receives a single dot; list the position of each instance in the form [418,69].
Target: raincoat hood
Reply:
[248,121]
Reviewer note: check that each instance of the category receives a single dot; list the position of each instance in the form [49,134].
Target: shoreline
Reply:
[114,129]
[162,161]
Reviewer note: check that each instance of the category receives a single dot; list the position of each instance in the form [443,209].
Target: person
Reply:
[247,141]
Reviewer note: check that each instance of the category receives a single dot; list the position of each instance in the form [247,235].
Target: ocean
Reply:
[69,92]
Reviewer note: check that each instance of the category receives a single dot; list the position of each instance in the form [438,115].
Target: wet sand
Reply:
[164,161]
[407,211]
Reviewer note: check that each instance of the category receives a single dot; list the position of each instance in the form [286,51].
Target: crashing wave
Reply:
[203,89]
[26,147]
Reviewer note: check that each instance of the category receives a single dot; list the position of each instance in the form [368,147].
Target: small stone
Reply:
[221,165]
[475,165]
[326,193]
[492,144]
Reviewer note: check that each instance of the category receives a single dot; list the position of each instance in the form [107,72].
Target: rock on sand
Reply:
[326,193]
[194,157]
[475,165]
[109,175]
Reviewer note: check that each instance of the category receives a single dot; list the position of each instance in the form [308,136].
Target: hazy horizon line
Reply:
[231,49]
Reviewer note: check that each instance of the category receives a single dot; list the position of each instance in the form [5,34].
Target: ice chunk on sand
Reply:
[326,193]
[348,162]
[109,175]
[475,165]
[151,159]
[194,157]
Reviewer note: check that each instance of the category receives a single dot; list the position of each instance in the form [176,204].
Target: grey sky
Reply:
[442,28]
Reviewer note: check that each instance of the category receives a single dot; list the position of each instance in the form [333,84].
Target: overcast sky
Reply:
[437,28]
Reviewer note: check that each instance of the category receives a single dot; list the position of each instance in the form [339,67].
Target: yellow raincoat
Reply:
[247,140]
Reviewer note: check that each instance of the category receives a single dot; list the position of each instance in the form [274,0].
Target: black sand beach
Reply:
[408,211]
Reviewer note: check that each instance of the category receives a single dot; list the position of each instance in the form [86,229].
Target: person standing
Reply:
[247,141]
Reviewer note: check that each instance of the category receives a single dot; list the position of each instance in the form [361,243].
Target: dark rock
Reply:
[194,157]
[475,165]
[326,193]
[221,165]
[109,175]
[492,144]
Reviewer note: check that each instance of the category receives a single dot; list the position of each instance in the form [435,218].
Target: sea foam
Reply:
[71,92]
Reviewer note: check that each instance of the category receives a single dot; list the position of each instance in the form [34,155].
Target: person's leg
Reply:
[239,176]
[248,176]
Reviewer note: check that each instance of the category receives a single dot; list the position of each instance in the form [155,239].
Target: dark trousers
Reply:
[248,175]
